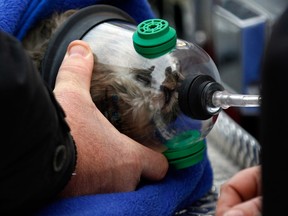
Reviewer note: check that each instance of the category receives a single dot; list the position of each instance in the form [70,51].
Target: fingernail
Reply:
[78,50]
[234,213]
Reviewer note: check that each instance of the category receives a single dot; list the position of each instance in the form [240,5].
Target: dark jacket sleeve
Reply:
[274,117]
[38,154]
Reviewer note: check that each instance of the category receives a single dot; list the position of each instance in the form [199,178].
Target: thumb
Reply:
[76,69]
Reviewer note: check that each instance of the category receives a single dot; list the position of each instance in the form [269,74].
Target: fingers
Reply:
[250,208]
[100,146]
[244,186]
[76,69]
[155,164]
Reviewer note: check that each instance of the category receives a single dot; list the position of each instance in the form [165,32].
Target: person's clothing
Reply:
[37,153]
[36,135]
[273,120]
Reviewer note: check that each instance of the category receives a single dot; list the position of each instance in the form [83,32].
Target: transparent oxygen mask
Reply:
[161,91]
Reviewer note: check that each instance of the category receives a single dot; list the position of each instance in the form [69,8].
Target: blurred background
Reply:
[234,33]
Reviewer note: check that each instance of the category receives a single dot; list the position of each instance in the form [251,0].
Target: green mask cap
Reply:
[154,38]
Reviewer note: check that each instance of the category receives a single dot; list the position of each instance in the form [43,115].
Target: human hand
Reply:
[241,195]
[107,160]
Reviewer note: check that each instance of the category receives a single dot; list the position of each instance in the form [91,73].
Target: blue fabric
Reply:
[17,16]
[179,188]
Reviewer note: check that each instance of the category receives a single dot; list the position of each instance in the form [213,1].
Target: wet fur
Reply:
[126,99]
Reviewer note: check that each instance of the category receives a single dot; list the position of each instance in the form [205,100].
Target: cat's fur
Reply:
[127,99]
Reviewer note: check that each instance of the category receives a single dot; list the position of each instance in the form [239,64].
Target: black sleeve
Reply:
[38,154]
[274,119]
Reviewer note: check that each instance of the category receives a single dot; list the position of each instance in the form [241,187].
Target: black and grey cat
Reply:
[127,98]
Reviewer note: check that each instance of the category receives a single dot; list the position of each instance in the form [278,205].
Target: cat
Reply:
[127,98]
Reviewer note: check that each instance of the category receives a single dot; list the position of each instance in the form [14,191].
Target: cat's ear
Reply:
[151,68]
[168,70]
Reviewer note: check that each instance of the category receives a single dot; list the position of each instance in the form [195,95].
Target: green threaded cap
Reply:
[154,37]
[185,149]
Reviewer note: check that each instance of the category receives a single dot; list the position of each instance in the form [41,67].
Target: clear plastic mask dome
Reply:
[140,95]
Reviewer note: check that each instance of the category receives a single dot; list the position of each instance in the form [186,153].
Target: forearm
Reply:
[38,153]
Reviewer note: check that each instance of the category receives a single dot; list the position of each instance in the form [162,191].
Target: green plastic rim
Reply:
[175,154]
[188,161]
[183,140]
[185,149]
[154,38]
